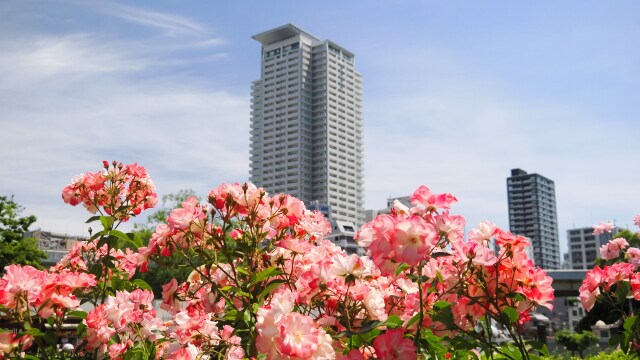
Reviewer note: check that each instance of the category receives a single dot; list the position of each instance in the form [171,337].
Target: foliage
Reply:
[12,225]
[265,283]
[576,342]
[614,355]
[24,252]
[14,249]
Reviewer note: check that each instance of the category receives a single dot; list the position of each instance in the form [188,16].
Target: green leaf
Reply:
[413,319]
[92,219]
[231,315]
[393,321]
[511,313]
[368,326]
[516,296]
[51,338]
[142,284]
[81,328]
[541,347]
[98,234]
[441,304]
[402,267]
[616,339]
[271,286]
[77,313]
[445,316]
[266,273]
[35,332]
[629,322]
[122,236]
[107,221]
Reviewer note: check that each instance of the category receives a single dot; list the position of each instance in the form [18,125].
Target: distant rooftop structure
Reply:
[55,245]
[282,33]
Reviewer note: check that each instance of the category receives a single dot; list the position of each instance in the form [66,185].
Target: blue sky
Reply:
[455,95]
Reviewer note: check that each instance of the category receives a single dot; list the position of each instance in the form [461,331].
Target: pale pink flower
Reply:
[270,316]
[11,343]
[189,216]
[423,196]
[375,305]
[633,256]
[587,297]
[392,345]
[186,352]
[636,220]
[603,227]
[412,239]
[611,250]
[400,208]
[314,224]
[483,232]
[20,286]
[452,226]
[297,336]
[296,245]
[344,266]
[536,287]
[635,285]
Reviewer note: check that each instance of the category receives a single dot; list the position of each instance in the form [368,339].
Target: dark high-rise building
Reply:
[532,213]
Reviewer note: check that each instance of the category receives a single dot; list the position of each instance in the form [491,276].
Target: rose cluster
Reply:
[118,190]
[266,283]
[621,268]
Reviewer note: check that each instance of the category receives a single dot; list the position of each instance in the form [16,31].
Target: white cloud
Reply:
[461,132]
[171,24]
[72,100]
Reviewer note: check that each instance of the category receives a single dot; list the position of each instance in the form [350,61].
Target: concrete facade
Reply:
[584,246]
[306,122]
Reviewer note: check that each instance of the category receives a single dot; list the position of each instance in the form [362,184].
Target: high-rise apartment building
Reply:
[306,122]
[584,246]
[532,213]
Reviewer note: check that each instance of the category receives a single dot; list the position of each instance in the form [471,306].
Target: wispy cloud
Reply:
[170,24]
[73,99]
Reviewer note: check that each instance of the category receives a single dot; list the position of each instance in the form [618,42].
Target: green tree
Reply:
[170,267]
[14,249]
[576,342]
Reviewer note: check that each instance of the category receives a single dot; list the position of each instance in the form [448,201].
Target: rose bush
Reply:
[266,284]
[616,283]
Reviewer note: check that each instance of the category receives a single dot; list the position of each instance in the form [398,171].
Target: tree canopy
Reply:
[14,248]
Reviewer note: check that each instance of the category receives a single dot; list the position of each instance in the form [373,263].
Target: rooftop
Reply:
[281,33]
